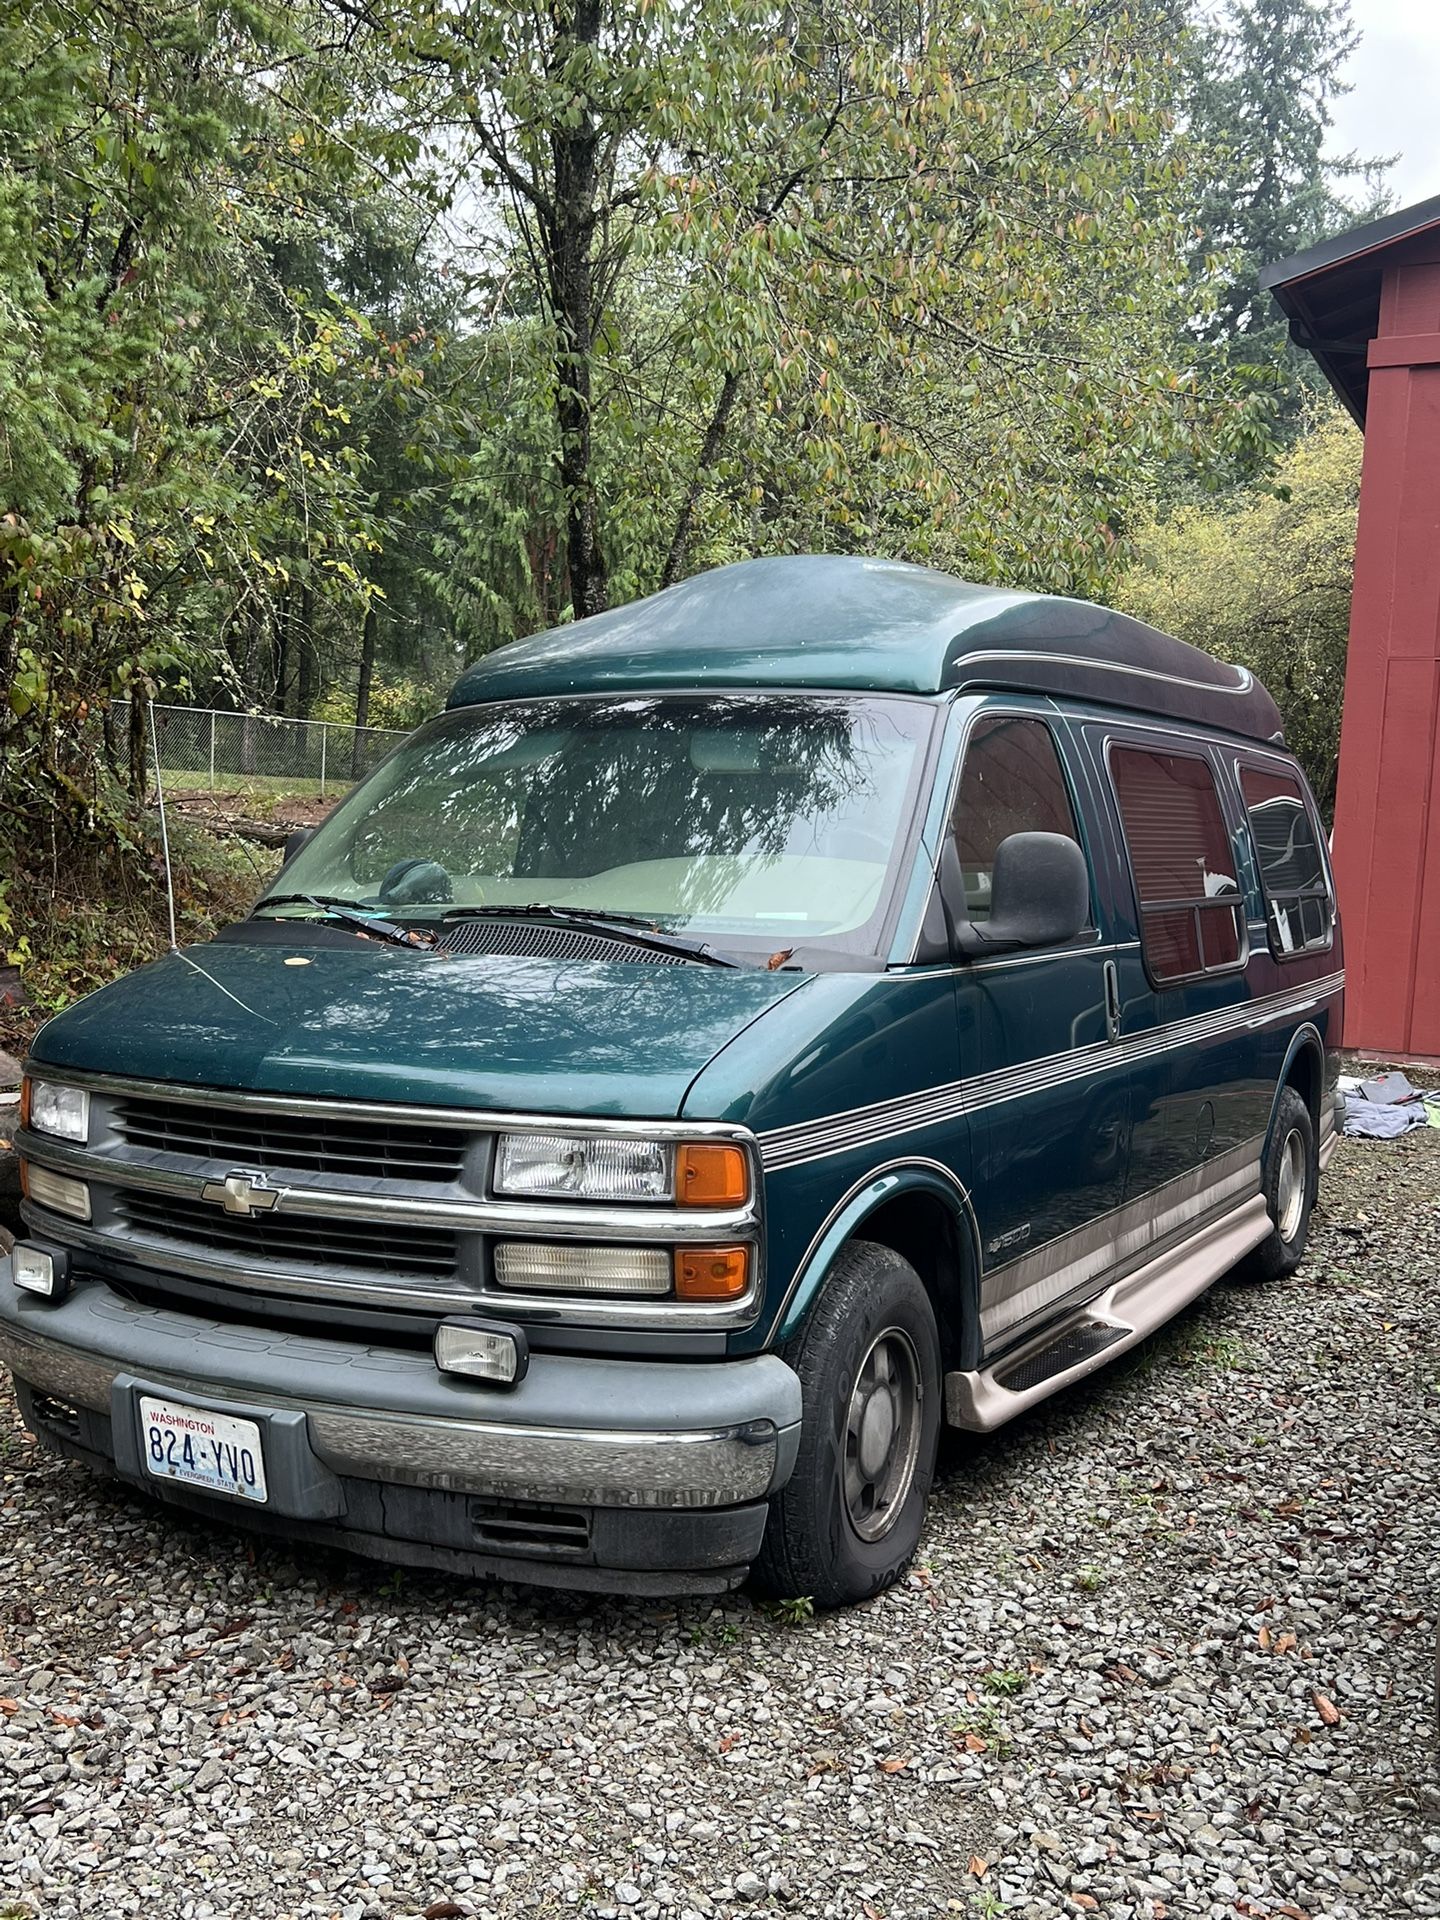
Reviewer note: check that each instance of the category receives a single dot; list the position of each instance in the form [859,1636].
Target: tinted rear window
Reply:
[1191,911]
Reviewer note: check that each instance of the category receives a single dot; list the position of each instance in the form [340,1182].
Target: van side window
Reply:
[1298,908]
[1191,908]
[1011,783]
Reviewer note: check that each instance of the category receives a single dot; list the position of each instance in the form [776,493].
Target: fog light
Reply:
[482,1351]
[33,1270]
[535,1267]
[55,1191]
[711,1273]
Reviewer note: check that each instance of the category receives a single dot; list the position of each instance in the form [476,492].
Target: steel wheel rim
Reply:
[882,1434]
[1290,1190]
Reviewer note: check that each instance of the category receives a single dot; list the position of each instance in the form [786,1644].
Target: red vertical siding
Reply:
[1387,814]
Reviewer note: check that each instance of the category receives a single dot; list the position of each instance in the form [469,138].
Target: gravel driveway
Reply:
[1169,1653]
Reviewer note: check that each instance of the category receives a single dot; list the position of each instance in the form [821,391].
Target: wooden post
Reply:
[1387,809]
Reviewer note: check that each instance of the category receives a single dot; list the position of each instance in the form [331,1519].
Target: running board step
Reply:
[1127,1312]
[1081,1340]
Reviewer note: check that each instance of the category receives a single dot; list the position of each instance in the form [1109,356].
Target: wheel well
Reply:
[1304,1074]
[922,1229]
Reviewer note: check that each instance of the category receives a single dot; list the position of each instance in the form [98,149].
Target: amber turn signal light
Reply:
[25,1100]
[711,1273]
[710,1174]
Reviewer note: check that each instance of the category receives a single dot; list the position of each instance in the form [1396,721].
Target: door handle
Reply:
[1112,1000]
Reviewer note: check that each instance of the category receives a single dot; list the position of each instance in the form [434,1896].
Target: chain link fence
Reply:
[203,749]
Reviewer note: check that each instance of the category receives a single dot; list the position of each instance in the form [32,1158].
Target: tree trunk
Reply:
[139,722]
[282,652]
[709,452]
[362,687]
[305,654]
[568,237]
[250,675]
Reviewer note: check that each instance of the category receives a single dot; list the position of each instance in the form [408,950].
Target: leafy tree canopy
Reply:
[1263,578]
[1261,78]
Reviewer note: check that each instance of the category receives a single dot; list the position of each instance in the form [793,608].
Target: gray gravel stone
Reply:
[1103,1681]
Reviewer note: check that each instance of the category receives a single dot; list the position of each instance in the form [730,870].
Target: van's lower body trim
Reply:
[679,1436]
[1127,1312]
[1038,1283]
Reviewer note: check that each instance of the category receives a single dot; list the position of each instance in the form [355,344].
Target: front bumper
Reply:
[642,1475]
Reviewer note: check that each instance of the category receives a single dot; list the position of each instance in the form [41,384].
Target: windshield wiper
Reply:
[620,926]
[302,899]
[376,926]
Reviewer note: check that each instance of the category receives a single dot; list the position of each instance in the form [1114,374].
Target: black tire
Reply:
[874,1316]
[1289,1158]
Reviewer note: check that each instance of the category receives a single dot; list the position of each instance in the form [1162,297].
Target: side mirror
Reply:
[1039,896]
[294,842]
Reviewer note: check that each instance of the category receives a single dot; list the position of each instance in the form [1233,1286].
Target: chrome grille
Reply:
[550,943]
[323,1143]
[289,1240]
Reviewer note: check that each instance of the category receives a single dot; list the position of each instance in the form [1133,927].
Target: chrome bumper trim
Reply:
[717,1464]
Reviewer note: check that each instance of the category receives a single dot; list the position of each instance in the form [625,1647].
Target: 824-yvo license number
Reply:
[213,1451]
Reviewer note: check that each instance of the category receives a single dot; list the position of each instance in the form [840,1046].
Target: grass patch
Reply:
[1200,1348]
[1006,1681]
[982,1730]
[198,780]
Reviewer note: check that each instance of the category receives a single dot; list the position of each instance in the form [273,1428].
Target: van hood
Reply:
[352,1019]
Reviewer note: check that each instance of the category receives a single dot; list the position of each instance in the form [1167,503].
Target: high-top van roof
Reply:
[838,621]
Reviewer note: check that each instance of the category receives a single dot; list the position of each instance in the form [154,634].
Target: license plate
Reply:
[212,1451]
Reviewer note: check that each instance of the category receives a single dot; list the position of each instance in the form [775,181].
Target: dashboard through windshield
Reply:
[747,820]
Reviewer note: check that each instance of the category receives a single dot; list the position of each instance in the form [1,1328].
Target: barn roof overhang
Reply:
[1331,293]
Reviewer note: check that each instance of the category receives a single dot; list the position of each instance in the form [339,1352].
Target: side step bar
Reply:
[1126,1313]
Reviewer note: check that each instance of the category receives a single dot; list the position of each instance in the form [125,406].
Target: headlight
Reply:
[569,1167]
[553,1166]
[63,1112]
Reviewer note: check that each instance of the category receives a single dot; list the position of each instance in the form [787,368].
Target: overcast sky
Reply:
[1395,103]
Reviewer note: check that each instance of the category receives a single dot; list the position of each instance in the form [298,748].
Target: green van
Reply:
[745,1030]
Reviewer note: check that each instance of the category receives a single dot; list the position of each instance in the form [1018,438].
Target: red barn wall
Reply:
[1387,812]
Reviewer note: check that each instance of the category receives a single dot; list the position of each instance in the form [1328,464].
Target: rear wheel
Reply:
[1291,1177]
[846,1525]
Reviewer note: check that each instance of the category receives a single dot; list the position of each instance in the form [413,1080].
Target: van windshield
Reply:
[773,818]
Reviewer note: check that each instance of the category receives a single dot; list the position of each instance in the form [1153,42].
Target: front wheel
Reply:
[848,1521]
[1291,1178]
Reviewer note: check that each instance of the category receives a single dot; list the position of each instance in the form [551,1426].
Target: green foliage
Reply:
[343,340]
[72,924]
[818,286]
[182,449]
[399,703]
[1261,77]
[797,1611]
[1263,578]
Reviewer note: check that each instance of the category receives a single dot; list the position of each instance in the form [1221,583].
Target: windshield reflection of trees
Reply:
[562,790]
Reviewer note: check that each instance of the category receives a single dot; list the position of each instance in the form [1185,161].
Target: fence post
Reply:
[212,753]
[324,736]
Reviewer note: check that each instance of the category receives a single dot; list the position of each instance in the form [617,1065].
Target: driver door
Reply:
[1048,1103]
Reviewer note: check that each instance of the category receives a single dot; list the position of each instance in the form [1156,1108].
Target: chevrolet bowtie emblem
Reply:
[245,1193]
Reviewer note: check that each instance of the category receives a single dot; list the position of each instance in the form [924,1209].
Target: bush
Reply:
[1264,579]
[71,927]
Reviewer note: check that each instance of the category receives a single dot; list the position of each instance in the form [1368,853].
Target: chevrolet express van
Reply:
[747,1029]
